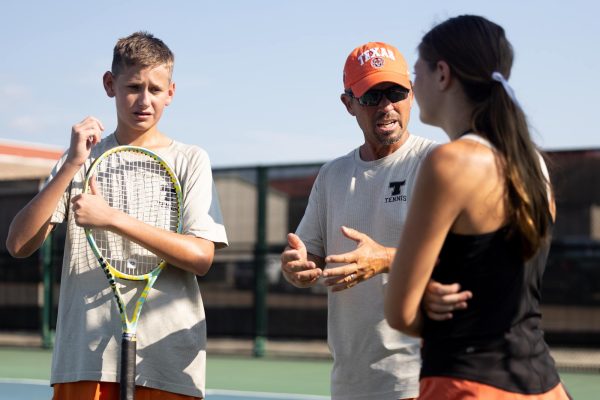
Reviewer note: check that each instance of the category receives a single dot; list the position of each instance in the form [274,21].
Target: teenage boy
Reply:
[171,357]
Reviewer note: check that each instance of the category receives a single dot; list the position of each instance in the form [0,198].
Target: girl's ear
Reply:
[444,74]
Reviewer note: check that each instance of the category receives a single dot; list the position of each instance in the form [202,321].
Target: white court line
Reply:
[265,395]
[40,382]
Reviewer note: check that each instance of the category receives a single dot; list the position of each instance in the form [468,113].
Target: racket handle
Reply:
[127,386]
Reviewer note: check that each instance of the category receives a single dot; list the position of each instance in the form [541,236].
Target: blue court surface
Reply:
[29,389]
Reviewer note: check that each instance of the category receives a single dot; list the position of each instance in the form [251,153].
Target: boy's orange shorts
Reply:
[452,388]
[88,390]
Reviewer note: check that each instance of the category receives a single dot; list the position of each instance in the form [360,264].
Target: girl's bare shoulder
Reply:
[460,163]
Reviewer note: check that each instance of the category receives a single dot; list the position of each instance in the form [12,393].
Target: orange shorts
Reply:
[460,389]
[88,390]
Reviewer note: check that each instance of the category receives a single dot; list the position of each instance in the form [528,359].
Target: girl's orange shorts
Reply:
[438,388]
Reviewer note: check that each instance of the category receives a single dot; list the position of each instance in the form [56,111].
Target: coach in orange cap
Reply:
[352,225]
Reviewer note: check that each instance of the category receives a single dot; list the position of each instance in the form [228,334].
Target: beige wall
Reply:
[238,204]
[14,168]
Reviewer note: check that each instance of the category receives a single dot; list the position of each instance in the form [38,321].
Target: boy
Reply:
[172,330]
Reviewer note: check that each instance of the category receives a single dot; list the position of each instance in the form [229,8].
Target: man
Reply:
[352,224]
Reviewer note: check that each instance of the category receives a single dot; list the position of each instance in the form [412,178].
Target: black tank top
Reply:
[497,340]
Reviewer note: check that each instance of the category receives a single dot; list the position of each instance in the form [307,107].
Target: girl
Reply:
[481,215]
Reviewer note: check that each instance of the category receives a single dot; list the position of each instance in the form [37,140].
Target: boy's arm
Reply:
[187,252]
[31,225]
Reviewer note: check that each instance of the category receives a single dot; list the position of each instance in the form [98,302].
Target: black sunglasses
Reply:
[373,97]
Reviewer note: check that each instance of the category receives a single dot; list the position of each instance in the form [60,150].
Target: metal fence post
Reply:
[260,258]
[48,282]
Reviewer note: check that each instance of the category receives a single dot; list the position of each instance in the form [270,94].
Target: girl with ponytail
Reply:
[481,215]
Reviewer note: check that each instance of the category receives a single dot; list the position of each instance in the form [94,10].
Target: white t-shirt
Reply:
[371,360]
[171,334]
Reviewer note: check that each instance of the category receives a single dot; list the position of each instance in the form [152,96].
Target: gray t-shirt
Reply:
[371,360]
[171,334]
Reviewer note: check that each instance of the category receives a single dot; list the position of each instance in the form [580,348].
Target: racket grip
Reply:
[127,385]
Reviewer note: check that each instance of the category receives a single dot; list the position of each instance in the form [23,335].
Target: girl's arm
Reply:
[441,188]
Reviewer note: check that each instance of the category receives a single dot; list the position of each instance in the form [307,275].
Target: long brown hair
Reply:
[474,48]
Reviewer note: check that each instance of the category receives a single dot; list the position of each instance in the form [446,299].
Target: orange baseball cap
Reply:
[374,63]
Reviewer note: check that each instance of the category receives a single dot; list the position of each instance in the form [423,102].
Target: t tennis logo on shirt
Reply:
[396,194]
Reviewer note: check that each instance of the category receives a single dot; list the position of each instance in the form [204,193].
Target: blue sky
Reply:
[258,82]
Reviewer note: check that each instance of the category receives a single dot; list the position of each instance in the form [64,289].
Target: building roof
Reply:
[20,160]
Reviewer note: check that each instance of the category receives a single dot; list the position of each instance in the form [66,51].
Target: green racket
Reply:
[140,183]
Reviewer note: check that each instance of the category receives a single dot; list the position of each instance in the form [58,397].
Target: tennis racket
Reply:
[140,183]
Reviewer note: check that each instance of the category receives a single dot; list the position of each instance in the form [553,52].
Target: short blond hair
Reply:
[141,49]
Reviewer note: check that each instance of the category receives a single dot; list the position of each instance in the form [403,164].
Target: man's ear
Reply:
[347,100]
[108,80]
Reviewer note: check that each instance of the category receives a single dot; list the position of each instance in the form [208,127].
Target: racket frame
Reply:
[129,326]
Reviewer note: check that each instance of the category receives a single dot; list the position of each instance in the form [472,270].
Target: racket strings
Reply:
[140,186]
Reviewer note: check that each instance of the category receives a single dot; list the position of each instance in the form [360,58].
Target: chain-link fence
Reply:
[244,293]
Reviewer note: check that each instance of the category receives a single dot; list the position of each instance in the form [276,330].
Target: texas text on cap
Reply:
[374,63]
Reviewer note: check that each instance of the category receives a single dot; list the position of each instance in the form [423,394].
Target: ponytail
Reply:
[480,56]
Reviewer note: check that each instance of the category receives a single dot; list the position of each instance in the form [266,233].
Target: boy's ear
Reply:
[109,80]
[171,93]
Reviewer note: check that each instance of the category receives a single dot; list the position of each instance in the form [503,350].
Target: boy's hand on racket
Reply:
[367,260]
[439,301]
[296,266]
[90,210]
[84,136]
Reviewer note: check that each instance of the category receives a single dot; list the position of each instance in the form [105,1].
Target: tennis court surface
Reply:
[24,376]
[40,390]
